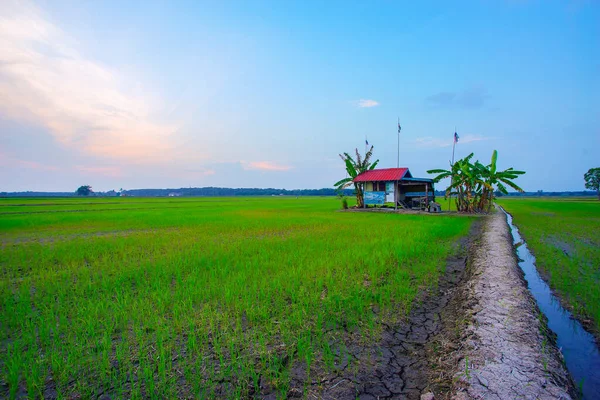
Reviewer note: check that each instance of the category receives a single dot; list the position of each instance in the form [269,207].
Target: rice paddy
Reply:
[204,297]
[564,235]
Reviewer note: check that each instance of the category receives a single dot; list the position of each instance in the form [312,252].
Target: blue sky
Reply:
[152,94]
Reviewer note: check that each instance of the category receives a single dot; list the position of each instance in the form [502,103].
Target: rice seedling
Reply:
[199,297]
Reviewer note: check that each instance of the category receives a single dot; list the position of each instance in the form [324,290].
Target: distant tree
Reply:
[85,190]
[355,168]
[592,180]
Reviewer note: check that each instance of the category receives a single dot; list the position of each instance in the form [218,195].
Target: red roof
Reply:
[385,174]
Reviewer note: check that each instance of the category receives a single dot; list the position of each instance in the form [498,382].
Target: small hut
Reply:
[396,186]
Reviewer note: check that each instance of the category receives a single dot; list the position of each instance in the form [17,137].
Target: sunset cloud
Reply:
[44,80]
[264,166]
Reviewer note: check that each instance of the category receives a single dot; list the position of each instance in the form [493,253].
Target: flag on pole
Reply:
[399,127]
[455,137]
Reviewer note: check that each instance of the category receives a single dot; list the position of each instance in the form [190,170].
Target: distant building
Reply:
[174,194]
[397,186]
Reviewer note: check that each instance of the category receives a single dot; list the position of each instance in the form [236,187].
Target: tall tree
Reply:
[592,180]
[353,169]
[85,190]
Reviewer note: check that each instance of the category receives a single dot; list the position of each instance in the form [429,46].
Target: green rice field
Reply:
[164,298]
[564,235]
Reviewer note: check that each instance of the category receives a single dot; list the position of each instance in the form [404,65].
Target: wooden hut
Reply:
[396,186]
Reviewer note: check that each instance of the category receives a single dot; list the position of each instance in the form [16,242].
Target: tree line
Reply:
[86,190]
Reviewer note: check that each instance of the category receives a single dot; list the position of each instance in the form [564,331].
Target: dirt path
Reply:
[510,353]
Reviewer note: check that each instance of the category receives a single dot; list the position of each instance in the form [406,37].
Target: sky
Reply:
[169,94]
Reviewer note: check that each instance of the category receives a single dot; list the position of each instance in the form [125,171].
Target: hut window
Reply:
[379,186]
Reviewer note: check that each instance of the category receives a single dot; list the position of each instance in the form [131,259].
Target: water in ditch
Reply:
[582,356]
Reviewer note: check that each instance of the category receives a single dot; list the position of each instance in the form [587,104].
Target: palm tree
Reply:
[353,169]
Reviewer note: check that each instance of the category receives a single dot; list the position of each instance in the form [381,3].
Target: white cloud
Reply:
[46,81]
[264,166]
[473,138]
[367,103]
[429,141]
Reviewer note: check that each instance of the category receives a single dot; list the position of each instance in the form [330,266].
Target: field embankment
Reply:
[564,236]
[206,297]
[509,353]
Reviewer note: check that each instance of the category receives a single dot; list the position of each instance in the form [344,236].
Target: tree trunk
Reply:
[359,195]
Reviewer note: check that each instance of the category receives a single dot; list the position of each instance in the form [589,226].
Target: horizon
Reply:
[586,192]
[164,95]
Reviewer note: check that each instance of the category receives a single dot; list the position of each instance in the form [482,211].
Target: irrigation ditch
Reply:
[579,347]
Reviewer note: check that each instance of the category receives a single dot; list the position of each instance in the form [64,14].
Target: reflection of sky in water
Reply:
[577,345]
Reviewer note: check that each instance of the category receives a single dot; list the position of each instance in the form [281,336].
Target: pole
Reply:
[364,185]
[453,145]
[398,158]
[396,195]
[451,164]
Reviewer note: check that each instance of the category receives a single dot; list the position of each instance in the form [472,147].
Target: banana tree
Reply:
[353,169]
[466,183]
[473,183]
[493,177]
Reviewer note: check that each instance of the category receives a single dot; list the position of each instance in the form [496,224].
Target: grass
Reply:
[564,236]
[197,297]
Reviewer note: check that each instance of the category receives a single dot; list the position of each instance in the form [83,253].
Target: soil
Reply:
[509,352]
